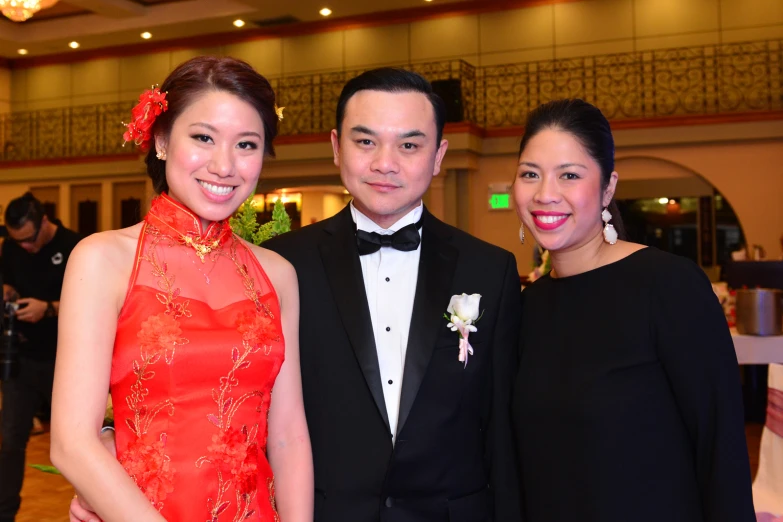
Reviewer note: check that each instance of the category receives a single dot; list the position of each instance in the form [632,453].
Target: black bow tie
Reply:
[406,239]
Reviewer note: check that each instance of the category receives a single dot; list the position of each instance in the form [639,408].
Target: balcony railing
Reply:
[711,79]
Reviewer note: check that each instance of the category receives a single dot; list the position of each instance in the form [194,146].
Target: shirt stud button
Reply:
[391,381]
[388,329]
[387,279]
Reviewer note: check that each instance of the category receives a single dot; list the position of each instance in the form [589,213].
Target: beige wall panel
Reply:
[594,49]
[131,94]
[93,99]
[772,32]
[49,81]
[647,168]
[593,21]
[51,103]
[444,38]
[512,57]
[9,191]
[516,29]
[18,86]
[5,85]
[182,55]
[333,203]
[745,13]
[96,76]
[143,71]
[669,42]
[666,17]
[312,207]
[313,52]
[377,45]
[264,55]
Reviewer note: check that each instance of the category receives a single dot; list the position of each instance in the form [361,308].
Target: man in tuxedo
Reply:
[401,429]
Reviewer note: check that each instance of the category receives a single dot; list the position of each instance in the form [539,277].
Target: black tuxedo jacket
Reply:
[454,455]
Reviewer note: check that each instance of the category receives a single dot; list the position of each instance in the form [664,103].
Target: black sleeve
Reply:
[697,353]
[500,449]
[8,276]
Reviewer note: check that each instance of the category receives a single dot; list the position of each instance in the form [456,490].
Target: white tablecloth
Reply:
[758,350]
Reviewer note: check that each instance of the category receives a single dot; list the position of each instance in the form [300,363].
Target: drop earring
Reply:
[610,234]
[522,234]
[161,155]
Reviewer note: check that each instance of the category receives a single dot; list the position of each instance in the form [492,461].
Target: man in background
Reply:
[34,256]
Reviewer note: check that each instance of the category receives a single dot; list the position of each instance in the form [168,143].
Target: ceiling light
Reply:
[239,23]
[19,11]
[73,45]
[21,51]
[663,201]
[146,35]
[325,11]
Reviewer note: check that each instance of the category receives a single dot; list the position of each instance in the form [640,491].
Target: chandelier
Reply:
[21,10]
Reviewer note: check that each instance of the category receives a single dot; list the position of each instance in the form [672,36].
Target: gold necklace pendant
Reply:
[201,248]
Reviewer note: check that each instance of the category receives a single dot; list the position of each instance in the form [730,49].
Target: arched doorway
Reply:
[670,207]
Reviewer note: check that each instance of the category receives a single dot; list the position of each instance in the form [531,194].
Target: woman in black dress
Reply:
[627,405]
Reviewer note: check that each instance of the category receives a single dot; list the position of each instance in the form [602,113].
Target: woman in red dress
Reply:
[192,330]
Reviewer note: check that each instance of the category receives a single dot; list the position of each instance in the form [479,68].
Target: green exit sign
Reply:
[499,201]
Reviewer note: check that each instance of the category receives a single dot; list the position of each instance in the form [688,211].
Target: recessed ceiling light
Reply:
[21,51]
[73,45]
[325,11]
[428,0]
[239,23]
[146,35]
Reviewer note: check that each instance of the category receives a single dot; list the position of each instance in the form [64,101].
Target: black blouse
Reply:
[627,405]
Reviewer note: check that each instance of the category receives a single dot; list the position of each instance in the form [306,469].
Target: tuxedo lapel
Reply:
[340,258]
[437,264]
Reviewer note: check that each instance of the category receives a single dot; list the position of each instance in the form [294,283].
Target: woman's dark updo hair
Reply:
[210,73]
[590,128]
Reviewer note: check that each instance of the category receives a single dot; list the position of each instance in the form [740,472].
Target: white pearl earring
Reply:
[522,234]
[610,234]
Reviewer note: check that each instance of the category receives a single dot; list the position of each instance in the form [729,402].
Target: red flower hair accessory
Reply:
[152,103]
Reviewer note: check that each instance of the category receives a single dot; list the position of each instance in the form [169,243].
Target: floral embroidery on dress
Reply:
[144,459]
[257,330]
[271,486]
[234,452]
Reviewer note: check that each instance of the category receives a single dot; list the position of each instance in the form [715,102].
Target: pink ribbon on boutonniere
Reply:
[463,312]
[465,348]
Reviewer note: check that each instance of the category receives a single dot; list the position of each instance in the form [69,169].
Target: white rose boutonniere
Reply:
[463,314]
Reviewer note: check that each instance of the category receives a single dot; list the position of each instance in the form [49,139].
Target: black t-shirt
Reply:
[40,276]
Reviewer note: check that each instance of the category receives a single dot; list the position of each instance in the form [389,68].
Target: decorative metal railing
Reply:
[711,79]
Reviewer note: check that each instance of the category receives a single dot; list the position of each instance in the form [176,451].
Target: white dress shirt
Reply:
[390,282]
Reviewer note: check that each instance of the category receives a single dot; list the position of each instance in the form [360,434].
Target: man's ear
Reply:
[335,147]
